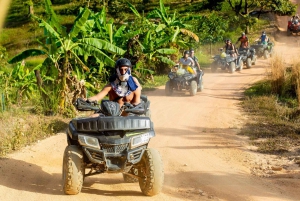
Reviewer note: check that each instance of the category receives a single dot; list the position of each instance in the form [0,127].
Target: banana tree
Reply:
[65,50]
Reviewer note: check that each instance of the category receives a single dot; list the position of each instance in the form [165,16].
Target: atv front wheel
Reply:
[193,88]
[201,87]
[151,173]
[266,54]
[73,170]
[240,63]
[214,67]
[232,67]
[249,63]
[254,60]
[168,89]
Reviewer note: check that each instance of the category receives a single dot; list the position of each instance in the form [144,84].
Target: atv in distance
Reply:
[248,56]
[226,60]
[293,27]
[263,50]
[180,79]
[110,143]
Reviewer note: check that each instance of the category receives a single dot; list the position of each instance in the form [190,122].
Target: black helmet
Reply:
[192,50]
[186,52]
[228,40]
[123,62]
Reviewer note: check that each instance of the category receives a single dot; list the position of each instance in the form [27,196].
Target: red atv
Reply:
[293,27]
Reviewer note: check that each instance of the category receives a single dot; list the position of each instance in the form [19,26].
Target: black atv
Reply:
[110,143]
[248,56]
[180,80]
[226,60]
[263,50]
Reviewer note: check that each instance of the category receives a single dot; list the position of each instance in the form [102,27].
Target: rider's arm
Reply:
[197,63]
[101,94]
[192,61]
[137,82]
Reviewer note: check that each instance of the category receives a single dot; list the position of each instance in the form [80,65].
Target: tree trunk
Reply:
[246,13]
[63,89]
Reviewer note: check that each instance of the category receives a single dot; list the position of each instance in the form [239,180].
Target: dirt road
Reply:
[204,158]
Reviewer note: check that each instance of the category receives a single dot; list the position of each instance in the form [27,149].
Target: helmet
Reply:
[263,32]
[186,52]
[191,50]
[228,40]
[243,34]
[123,62]
[223,55]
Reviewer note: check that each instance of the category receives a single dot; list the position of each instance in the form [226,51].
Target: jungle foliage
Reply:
[76,56]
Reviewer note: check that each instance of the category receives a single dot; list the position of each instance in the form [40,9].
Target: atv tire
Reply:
[254,60]
[73,170]
[168,89]
[193,88]
[241,65]
[151,173]
[201,87]
[248,62]
[266,54]
[232,67]
[214,67]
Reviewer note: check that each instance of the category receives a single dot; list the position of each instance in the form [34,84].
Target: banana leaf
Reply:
[166,51]
[190,34]
[25,54]
[50,30]
[52,18]
[110,32]
[133,9]
[102,45]
[93,51]
[80,22]
[120,31]
[166,60]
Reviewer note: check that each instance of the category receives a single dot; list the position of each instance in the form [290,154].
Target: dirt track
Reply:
[203,157]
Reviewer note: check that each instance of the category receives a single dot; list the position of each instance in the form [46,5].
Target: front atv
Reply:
[112,144]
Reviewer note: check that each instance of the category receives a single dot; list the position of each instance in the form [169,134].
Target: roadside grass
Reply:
[273,110]
[159,80]
[21,128]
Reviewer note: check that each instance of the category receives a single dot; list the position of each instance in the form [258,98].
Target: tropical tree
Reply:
[65,50]
[242,8]
[160,37]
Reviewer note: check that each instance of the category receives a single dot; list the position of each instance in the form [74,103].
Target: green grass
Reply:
[159,80]
[21,128]
[273,124]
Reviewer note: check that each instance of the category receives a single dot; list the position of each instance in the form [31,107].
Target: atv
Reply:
[263,50]
[180,79]
[110,143]
[293,27]
[248,56]
[226,60]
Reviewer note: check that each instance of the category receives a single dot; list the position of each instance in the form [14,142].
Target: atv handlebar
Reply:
[86,105]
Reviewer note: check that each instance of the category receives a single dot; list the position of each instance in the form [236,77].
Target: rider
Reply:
[230,46]
[244,41]
[187,62]
[264,39]
[196,65]
[195,59]
[122,86]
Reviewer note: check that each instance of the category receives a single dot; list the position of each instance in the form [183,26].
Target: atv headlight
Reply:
[88,141]
[140,140]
